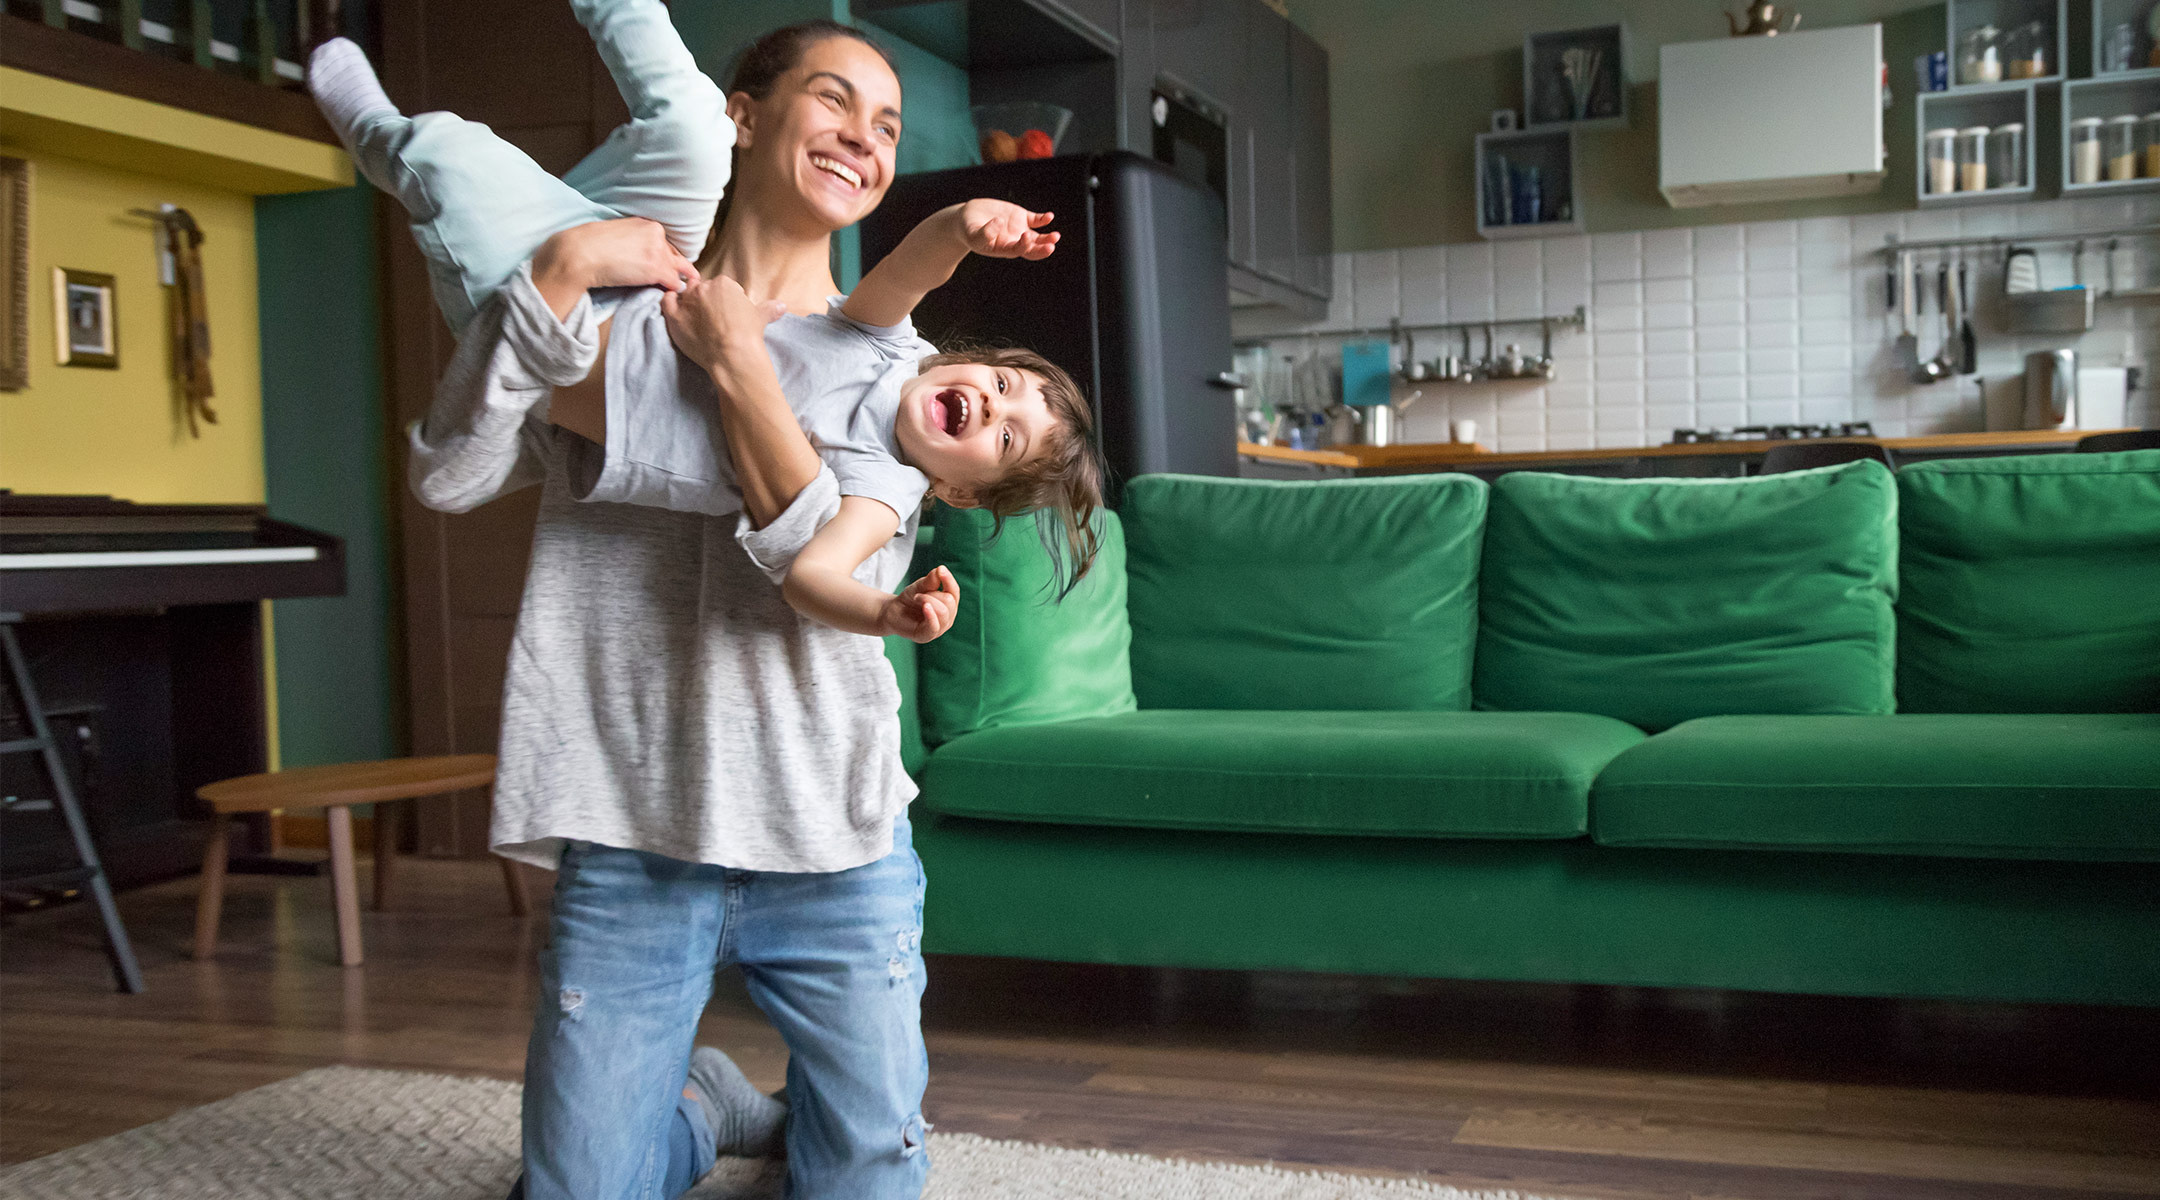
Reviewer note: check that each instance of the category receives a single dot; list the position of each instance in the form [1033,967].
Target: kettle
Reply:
[2051,378]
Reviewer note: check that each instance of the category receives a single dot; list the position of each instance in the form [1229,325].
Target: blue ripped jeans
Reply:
[834,960]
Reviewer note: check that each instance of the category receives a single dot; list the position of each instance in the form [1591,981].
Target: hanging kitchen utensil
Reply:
[1937,367]
[1545,365]
[1905,354]
[1968,349]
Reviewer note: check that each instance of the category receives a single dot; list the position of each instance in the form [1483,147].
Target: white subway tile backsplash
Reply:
[1720,325]
[1669,341]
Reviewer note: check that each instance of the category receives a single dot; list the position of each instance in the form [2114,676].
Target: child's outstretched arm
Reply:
[821,584]
[927,256]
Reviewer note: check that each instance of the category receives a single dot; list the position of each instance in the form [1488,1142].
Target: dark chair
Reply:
[1799,456]
[2122,439]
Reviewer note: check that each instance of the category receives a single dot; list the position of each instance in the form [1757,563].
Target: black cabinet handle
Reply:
[1226,379]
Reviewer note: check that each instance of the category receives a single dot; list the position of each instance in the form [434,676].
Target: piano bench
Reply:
[336,789]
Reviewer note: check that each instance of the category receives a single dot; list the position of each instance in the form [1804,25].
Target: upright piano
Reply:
[143,627]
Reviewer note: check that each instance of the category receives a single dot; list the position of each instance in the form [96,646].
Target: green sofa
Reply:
[1836,731]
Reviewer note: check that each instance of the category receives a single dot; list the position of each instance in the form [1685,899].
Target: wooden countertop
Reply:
[1471,454]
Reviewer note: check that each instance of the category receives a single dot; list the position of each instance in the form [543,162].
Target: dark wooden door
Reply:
[530,72]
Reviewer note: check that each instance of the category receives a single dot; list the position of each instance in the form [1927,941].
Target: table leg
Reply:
[386,839]
[514,882]
[210,905]
[344,887]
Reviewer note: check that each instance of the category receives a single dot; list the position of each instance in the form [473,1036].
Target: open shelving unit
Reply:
[1552,152]
[1548,100]
[1999,104]
[1961,16]
[2132,93]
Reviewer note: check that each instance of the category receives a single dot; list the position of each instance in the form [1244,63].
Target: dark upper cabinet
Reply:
[1312,213]
[1100,18]
[1266,119]
[1199,45]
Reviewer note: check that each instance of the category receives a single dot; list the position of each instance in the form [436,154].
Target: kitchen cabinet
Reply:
[1311,166]
[1265,116]
[1098,18]
[1785,118]
[1198,45]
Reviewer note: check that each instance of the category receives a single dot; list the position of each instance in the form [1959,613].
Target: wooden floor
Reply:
[1567,1091]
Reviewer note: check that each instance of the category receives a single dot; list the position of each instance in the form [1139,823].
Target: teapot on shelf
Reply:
[1762,21]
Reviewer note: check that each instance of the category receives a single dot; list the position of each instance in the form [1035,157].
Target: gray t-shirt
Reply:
[664,446]
[660,695]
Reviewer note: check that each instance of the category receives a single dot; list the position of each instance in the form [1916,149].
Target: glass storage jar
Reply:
[2120,143]
[1980,56]
[2152,145]
[2029,49]
[1972,159]
[2006,155]
[1942,173]
[2085,150]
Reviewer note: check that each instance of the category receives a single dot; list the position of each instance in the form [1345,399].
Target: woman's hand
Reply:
[625,252]
[713,321]
[997,229]
[925,610]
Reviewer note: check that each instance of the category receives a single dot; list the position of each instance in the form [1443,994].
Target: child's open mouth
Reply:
[952,411]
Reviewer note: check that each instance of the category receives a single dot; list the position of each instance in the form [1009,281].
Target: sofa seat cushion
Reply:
[1411,774]
[2083,787]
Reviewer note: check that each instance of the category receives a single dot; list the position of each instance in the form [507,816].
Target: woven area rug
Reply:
[341,1132]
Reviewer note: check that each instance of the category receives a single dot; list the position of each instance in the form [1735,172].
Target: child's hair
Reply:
[1063,478]
[756,69]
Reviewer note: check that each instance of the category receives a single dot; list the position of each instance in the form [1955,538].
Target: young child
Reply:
[1000,429]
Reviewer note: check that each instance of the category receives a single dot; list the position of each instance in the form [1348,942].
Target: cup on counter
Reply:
[1462,431]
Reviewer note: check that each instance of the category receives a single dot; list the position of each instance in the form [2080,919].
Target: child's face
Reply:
[827,132]
[966,425]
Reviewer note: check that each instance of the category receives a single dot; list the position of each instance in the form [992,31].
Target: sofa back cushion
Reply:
[1016,655]
[2031,584]
[1336,594]
[1659,600]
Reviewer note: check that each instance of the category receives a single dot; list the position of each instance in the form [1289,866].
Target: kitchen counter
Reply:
[1428,456]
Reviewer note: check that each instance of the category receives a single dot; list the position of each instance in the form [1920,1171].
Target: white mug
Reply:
[1462,430]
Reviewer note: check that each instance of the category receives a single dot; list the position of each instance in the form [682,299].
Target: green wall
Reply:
[1412,82]
[326,454]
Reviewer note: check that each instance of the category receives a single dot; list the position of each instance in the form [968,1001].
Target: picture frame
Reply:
[86,318]
[14,274]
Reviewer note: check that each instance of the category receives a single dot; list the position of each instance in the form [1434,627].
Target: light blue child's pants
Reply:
[480,206]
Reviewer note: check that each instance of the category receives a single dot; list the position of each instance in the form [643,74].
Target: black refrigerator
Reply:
[1135,303]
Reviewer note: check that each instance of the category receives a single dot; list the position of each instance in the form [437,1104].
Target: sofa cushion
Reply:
[1414,774]
[2063,786]
[1342,594]
[1658,600]
[1016,654]
[2030,584]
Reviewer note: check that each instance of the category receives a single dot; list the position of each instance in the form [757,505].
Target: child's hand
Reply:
[926,609]
[714,319]
[997,229]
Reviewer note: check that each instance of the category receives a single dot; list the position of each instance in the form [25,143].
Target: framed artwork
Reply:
[14,274]
[85,316]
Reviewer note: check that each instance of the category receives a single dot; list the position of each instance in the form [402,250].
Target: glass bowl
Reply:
[1022,129]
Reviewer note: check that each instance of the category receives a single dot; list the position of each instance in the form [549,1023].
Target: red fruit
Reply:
[1035,144]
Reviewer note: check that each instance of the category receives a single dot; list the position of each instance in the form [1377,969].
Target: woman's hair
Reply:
[1062,479]
[756,69]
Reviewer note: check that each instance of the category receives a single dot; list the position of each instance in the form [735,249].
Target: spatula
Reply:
[1905,354]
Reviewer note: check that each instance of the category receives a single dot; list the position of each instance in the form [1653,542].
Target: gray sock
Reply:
[745,1121]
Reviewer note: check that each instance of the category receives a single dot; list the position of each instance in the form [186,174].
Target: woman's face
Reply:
[824,135]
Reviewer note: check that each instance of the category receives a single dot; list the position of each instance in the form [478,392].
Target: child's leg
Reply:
[671,162]
[479,205]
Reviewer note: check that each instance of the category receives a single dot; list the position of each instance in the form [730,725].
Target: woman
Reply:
[716,779]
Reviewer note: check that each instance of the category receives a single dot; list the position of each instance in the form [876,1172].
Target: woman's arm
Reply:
[821,584]
[715,324]
[931,251]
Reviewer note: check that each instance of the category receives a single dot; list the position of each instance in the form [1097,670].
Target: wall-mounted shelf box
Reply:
[2106,15]
[1552,152]
[1549,101]
[2131,93]
[2001,104]
[2007,16]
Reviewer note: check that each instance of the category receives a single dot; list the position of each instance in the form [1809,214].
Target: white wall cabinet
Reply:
[1771,118]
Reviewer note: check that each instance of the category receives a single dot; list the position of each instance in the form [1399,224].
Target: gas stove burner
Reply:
[1773,433]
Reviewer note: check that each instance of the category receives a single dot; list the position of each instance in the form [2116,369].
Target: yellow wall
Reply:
[121,432]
